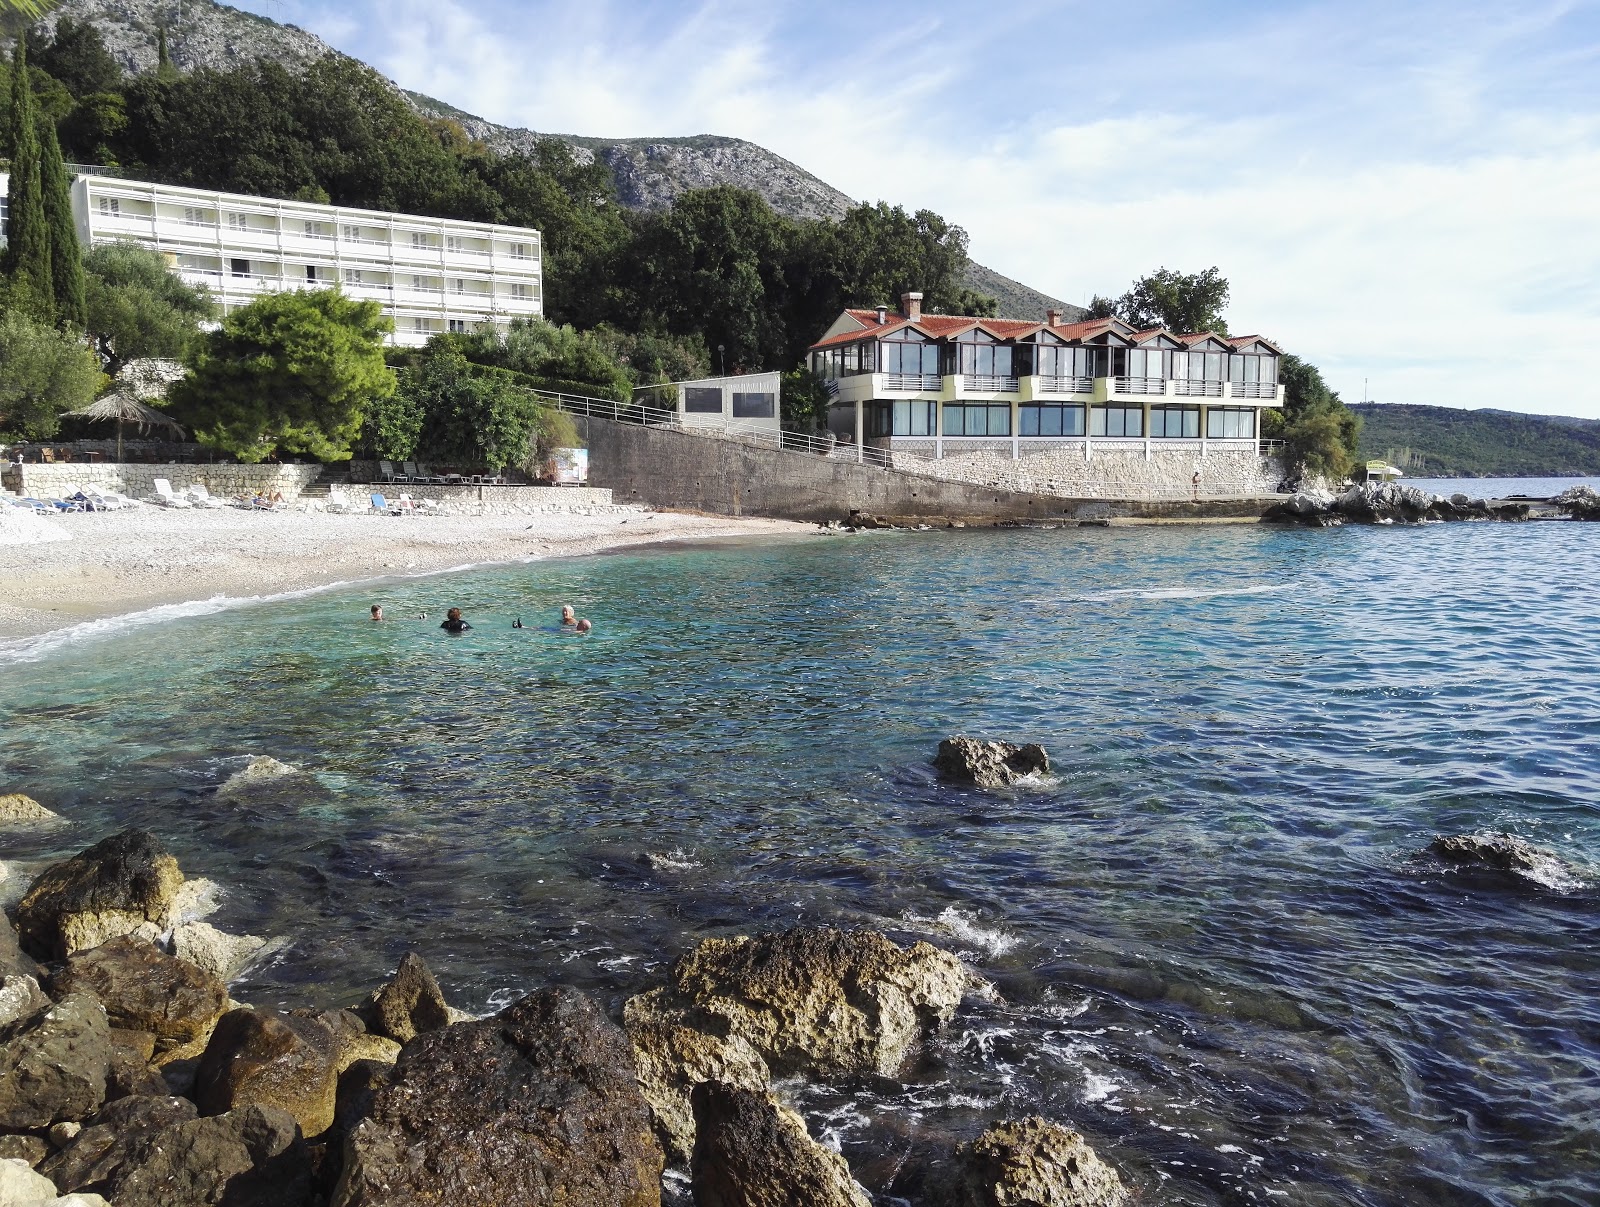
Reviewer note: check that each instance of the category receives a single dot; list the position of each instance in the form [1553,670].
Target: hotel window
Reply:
[858,358]
[1175,423]
[519,251]
[458,326]
[910,358]
[1050,420]
[458,286]
[520,291]
[239,268]
[194,216]
[455,243]
[111,207]
[1253,369]
[352,276]
[755,406]
[420,241]
[1231,423]
[315,230]
[913,419]
[1065,362]
[702,400]
[419,325]
[1145,362]
[311,274]
[353,233]
[968,419]
[986,360]
[238,222]
[1116,421]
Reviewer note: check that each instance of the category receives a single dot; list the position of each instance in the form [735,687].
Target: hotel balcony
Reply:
[865,387]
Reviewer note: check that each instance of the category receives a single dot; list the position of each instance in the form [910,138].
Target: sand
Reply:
[126,561]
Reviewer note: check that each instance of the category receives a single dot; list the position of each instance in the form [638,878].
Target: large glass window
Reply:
[1050,420]
[910,357]
[1175,423]
[1116,421]
[755,406]
[1253,369]
[913,418]
[1145,362]
[702,400]
[1231,423]
[1065,362]
[980,419]
[987,360]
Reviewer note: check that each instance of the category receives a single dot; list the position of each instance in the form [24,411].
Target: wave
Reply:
[1162,593]
[965,928]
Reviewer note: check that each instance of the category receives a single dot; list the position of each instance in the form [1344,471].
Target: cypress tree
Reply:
[66,259]
[164,66]
[27,259]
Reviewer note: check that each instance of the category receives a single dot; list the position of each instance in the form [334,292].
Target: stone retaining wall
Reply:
[1116,473]
[495,500]
[224,481]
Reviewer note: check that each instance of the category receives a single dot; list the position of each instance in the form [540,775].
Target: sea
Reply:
[1219,945]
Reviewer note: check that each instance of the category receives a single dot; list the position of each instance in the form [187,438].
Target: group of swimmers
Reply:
[571,623]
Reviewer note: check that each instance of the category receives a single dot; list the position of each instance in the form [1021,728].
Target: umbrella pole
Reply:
[119,442]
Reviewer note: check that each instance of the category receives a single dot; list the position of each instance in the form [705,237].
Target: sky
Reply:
[1404,192]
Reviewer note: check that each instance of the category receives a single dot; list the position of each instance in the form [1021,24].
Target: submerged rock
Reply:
[146,990]
[261,770]
[121,885]
[410,1004]
[222,955]
[536,1105]
[1036,1163]
[1506,853]
[16,808]
[1580,502]
[988,764]
[751,1151]
[53,1067]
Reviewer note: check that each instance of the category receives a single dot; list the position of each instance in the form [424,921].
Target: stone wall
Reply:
[138,480]
[495,500]
[1109,473]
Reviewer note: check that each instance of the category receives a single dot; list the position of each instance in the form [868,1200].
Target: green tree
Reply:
[66,259]
[291,372]
[1318,430]
[136,309]
[469,418]
[650,359]
[43,372]
[27,255]
[166,71]
[392,426]
[96,123]
[881,252]
[805,400]
[76,55]
[1181,302]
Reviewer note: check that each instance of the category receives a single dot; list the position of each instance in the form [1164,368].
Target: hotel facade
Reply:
[429,274]
[939,386]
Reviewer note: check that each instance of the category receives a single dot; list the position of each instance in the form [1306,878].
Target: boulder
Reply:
[252,1157]
[409,1005]
[223,956]
[261,770]
[352,1041]
[118,886]
[118,1130]
[18,809]
[988,764]
[146,990]
[13,962]
[536,1105]
[672,1056]
[53,1067]
[20,998]
[1036,1163]
[751,1151]
[1580,503]
[1374,502]
[265,1058]
[21,1187]
[818,1001]
[31,1149]
[1506,853]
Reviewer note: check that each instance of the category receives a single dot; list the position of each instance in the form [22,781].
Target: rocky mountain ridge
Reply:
[650,173]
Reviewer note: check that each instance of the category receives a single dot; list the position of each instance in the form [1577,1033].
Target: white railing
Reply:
[911,381]
[1138,385]
[1198,389]
[1066,385]
[1252,389]
[988,383]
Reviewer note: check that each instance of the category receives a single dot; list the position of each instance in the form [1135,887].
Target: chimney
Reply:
[911,305]
[883,315]
[1053,317]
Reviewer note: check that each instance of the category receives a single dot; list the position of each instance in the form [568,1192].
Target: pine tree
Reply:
[27,258]
[66,259]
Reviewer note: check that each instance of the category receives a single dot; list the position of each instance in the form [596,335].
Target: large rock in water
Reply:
[53,1066]
[16,808]
[146,990]
[750,1151]
[536,1105]
[819,1001]
[410,1004]
[117,886]
[1036,1163]
[1506,853]
[1371,502]
[1580,503]
[263,1058]
[988,764]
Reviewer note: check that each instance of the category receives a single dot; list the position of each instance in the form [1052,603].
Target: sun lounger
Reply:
[107,500]
[337,503]
[382,505]
[37,506]
[201,497]
[165,495]
[386,472]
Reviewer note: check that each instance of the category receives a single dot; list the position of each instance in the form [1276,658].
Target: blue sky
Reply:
[1406,193]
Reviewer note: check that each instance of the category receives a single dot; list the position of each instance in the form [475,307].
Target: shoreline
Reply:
[124,563]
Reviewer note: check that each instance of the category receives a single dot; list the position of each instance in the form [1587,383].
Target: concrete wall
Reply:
[666,468]
[495,500]
[225,481]
[1110,473]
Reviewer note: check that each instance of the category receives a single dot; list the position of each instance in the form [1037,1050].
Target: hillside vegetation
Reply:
[1442,442]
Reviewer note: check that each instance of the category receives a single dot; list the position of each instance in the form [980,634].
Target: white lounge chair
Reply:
[107,500]
[165,495]
[337,503]
[201,497]
[407,505]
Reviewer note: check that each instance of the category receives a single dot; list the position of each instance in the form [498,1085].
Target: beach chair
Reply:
[105,500]
[386,472]
[165,495]
[382,505]
[406,505]
[201,497]
[411,473]
[37,506]
[337,503]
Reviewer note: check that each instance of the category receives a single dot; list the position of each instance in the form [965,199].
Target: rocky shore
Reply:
[1393,503]
[130,1076]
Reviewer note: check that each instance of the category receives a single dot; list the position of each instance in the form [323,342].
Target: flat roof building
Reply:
[429,274]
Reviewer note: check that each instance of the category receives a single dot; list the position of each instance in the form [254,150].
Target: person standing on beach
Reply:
[453,623]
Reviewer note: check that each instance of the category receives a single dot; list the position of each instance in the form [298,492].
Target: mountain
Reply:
[649,172]
[1442,442]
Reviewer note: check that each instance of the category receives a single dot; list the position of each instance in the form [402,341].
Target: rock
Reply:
[988,764]
[408,1005]
[1506,853]
[1373,502]
[261,770]
[20,998]
[252,1157]
[54,1068]
[357,1085]
[144,989]
[1036,1163]
[194,899]
[16,808]
[261,1057]
[12,960]
[1580,502]
[352,1041]
[117,1131]
[672,1057]
[820,1001]
[31,1149]
[222,955]
[21,1187]
[63,1134]
[536,1105]
[113,888]
[750,1151]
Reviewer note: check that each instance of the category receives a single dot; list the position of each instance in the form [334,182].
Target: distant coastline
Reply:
[1444,442]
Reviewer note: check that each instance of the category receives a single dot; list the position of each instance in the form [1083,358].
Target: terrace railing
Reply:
[1138,385]
[1187,388]
[911,381]
[988,383]
[1066,385]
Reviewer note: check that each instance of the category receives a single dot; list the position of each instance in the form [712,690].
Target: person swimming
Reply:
[377,611]
[568,617]
[453,623]
[583,627]
[517,623]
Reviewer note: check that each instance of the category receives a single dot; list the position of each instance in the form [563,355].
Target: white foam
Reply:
[674,861]
[1551,873]
[965,928]
[1097,1088]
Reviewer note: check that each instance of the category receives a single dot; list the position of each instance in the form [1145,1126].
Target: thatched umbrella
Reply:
[125,408]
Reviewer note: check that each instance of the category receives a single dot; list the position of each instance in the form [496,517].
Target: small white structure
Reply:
[747,403]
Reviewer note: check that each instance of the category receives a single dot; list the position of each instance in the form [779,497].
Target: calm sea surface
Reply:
[1221,952]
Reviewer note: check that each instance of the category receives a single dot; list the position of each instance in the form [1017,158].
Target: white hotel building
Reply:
[429,274]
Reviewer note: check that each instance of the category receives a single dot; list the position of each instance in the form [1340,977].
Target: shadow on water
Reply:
[1217,950]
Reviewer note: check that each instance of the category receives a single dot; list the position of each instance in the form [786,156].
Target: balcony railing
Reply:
[1066,385]
[911,381]
[1252,389]
[987,383]
[1138,385]
[1198,389]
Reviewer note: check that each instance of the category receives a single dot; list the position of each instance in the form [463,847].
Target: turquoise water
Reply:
[1219,952]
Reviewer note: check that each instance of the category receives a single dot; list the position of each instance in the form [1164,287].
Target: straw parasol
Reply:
[125,408]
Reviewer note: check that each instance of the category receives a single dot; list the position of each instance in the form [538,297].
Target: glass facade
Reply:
[702,400]
[754,406]
[1116,421]
[987,360]
[911,358]
[1231,423]
[1049,420]
[1175,423]
[977,419]
[1054,361]
[904,418]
